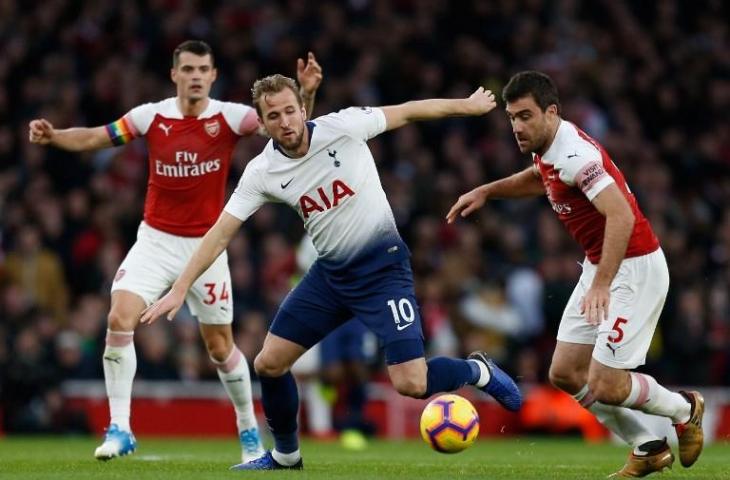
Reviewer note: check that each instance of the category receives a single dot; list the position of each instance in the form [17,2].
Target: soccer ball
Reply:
[449,423]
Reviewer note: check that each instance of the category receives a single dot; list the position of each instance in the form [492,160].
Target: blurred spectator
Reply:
[38,272]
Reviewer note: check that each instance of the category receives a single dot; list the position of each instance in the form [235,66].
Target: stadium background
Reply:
[650,80]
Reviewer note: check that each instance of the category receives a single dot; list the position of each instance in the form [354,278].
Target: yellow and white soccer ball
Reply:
[449,423]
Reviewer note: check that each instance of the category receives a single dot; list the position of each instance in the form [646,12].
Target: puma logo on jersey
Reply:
[165,128]
[338,191]
[113,359]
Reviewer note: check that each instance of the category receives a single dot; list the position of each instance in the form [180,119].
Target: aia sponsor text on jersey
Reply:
[326,199]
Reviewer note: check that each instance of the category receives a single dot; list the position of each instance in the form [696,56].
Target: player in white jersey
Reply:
[324,170]
[610,319]
[190,139]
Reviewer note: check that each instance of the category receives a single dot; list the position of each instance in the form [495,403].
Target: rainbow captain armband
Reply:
[121,131]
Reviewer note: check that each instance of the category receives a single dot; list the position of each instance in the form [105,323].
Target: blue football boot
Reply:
[500,385]
[251,447]
[117,443]
[267,462]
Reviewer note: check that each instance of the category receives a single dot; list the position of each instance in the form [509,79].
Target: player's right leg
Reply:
[120,365]
[281,404]
[144,274]
[569,372]
[308,313]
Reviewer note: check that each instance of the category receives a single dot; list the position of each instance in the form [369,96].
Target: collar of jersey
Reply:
[548,156]
[310,129]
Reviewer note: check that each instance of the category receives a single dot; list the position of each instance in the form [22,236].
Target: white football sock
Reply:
[484,375]
[650,397]
[120,365]
[236,379]
[622,421]
[287,459]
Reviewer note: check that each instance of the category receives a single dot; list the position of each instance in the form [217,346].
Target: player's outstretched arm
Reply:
[309,76]
[41,132]
[526,183]
[213,244]
[478,103]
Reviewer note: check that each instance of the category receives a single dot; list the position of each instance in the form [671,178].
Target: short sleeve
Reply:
[132,125]
[359,122]
[584,169]
[248,196]
[242,119]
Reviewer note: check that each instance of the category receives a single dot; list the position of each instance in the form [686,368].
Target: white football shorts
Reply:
[638,293]
[156,260]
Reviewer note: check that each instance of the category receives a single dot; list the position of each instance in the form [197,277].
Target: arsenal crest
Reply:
[212,128]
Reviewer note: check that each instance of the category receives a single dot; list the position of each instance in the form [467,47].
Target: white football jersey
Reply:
[335,189]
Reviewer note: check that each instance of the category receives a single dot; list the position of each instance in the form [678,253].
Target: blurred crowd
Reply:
[650,80]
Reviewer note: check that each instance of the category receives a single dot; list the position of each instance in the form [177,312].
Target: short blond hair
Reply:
[271,85]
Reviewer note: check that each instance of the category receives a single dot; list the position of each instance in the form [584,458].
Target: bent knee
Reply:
[606,391]
[411,387]
[219,349]
[266,366]
[118,322]
[567,380]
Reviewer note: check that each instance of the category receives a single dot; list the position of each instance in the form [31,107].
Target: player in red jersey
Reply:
[608,323]
[190,138]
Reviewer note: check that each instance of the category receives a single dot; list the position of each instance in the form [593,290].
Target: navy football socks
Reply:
[448,374]
[281,404]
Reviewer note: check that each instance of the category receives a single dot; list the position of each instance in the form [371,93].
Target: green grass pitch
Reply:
[515,458]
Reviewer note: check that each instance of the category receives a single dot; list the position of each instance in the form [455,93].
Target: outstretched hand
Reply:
[480,102]
[169,304]
[467,203]
[41,131]
[309,74]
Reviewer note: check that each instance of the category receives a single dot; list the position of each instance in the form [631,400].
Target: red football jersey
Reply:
[574,170]
[189,160]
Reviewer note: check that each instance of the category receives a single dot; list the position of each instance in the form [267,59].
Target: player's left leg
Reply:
[234,374]
[637,298]
[386,303]
[642,392]
[210,301]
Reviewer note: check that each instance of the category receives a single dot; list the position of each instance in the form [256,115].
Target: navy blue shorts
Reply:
[345,344]
[384,301]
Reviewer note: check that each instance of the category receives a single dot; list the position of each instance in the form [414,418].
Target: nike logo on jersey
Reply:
[402,326]
[235,380]
[284,185]
[573,155]
[165,128]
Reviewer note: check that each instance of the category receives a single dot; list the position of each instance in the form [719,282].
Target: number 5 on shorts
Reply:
[619,331]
